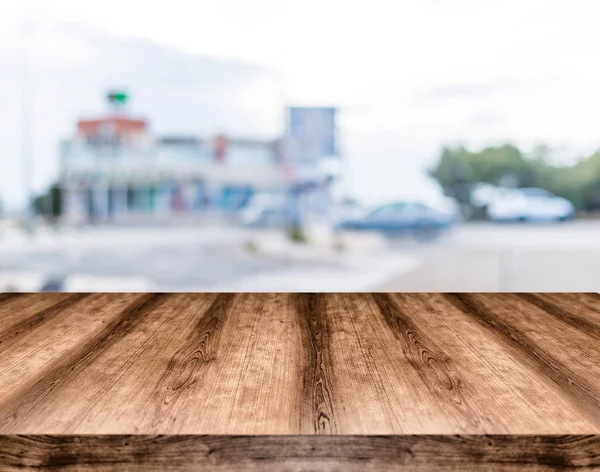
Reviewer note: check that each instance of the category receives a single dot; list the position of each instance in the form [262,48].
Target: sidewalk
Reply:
[509,258]
[349,262]
[232,259]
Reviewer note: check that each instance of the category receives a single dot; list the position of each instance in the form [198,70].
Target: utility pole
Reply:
[293,218]
[27,128]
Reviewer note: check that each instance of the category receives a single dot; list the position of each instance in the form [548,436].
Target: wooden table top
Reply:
[300,364]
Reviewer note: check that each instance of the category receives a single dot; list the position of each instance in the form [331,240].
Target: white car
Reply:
[265,210]
[529,204]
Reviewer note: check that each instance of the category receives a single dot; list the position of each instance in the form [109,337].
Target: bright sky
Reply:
[414,74]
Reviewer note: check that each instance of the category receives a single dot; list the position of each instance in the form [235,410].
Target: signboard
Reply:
[312,139]
[303,171]
[312,133]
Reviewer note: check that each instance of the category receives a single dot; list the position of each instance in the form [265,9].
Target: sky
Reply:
[410,76]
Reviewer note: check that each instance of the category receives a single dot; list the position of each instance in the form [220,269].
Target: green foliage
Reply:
[297,235]
[591,195]
[458,169]
[491,165]
[50,203]
[250,247]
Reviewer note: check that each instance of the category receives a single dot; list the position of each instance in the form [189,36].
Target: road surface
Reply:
[184,258]
[511,257]
[474,257]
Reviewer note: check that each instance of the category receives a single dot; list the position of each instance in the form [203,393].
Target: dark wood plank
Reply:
[300,453]
[317,413]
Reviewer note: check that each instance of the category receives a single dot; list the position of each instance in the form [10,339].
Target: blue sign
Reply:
[312,132]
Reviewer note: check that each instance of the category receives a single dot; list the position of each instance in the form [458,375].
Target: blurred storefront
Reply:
[115,168]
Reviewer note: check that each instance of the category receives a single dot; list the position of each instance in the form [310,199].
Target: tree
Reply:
[591,195]
[49,204]
[459,169]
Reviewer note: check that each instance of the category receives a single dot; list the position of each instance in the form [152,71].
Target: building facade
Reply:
[115,169]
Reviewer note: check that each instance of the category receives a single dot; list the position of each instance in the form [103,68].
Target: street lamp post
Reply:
[27,129]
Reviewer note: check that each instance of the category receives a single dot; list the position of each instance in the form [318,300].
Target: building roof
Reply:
[117,124]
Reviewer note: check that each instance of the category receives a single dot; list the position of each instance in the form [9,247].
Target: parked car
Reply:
[529,204]
[265,210]
[346,210]
[267,217]
[402,218]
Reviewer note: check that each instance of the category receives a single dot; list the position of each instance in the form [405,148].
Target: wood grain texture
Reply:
[299,364]
[549,345]
[381,367]
[316,404]
[300,453]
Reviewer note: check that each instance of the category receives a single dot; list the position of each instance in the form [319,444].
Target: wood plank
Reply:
[299,364]
[252,385]
[487,378]
[47,332]
[119,381]
[574,309]
[64,355]
[377,386]
[300,453]
[317,414]
[19,314]
[566,356]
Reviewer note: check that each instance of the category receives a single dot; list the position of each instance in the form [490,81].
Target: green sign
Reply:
[118,96]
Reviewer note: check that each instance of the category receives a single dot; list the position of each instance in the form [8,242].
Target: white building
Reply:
[114,169]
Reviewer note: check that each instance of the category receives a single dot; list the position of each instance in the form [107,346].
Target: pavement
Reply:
[193,258]
[474,257]
[509,257]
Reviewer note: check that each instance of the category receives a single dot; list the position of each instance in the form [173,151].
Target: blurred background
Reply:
[428,145]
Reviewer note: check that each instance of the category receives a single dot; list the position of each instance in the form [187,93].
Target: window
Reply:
[536,192]
[389,210]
